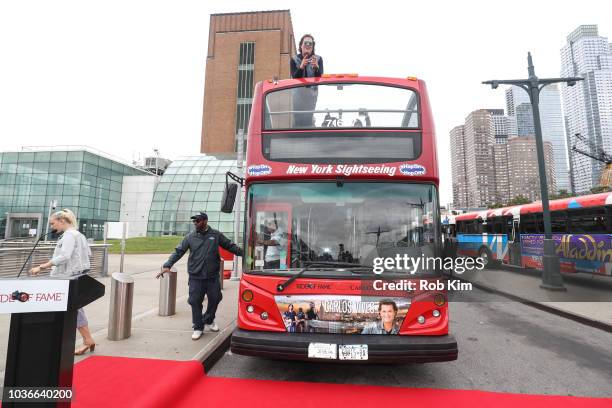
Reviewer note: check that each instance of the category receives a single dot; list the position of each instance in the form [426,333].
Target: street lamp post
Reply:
[52,207]
[156,150]
[551,276]
[239,160]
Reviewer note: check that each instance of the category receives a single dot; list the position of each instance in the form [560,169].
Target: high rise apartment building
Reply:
[587,104]
[500,155]
[243,49]
[479,134]
[523,174]
[459,171]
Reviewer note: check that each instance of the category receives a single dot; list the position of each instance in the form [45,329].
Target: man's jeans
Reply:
[197,289]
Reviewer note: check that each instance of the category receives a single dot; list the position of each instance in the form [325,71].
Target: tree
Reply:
[496,205]
[561,194]
[518,200]
[600,189]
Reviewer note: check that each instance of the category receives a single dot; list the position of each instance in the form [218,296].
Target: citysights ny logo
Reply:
[409,169]
[259,170]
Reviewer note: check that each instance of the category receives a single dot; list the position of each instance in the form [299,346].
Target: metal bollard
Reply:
[167,293]
[221,267]
[121,299]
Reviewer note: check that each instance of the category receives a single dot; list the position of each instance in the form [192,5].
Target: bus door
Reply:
[272,232]
[514,244]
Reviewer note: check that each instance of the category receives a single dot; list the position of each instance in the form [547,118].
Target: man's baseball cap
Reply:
[200,216]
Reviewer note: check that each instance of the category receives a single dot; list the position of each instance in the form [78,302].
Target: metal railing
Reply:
[14,254]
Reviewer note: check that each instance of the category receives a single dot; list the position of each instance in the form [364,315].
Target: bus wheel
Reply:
[487,258]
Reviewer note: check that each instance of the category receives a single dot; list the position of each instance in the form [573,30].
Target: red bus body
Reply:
[425,341]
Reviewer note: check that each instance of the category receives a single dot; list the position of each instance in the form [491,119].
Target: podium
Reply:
[41,343]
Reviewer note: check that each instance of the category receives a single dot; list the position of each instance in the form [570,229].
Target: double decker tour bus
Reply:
[341,173]
[581,227]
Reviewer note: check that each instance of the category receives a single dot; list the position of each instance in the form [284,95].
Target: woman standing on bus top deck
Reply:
[70,258]
[306,64]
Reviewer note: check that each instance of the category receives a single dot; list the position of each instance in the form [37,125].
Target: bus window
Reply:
[529,224]
[344,105]
[588,221]
[355,223]
[508,227]
[558,221]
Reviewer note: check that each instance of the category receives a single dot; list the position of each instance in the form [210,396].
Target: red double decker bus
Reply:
[341,182]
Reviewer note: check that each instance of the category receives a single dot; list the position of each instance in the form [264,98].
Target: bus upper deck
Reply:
[341,126]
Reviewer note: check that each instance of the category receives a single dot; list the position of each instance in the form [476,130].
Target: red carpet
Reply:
[128,382]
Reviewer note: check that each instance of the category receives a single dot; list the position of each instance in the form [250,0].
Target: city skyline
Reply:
[139,86]
[491,167]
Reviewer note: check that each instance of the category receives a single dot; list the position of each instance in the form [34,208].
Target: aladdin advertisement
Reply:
[342,314]
[590,253]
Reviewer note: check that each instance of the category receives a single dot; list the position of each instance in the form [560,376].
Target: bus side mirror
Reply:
[229,197]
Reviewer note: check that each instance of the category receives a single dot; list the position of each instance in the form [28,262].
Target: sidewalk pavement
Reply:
[153,336]
[588,297]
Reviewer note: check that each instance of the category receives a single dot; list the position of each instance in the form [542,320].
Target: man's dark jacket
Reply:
[204,259]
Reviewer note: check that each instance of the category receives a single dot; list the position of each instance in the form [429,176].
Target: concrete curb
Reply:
[214,350]
[597,324]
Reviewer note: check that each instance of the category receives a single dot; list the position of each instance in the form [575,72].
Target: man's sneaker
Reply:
[196,334]
[214,327]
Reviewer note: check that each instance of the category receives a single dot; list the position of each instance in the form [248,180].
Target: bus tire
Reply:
[487,257]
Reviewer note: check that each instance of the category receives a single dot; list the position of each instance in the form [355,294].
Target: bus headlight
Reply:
[439,299]
[436,313]
[250,308]
[421,319]
[264,315]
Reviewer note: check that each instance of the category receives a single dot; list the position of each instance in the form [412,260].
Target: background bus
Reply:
[341,170]
[581,226]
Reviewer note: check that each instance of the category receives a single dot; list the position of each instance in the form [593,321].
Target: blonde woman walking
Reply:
[70,258]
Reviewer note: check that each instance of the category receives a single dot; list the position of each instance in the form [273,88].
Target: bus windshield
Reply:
[295,225]
[341,105]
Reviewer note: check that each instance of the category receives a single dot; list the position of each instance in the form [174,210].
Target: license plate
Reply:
[353,351]
[323,350]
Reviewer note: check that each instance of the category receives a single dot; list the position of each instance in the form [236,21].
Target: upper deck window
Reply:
[342,105]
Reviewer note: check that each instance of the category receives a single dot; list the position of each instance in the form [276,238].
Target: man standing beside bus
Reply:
[203,267]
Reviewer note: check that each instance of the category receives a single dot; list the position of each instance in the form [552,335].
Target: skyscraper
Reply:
[458,169]
[524,177]
[588,104]
[500,156]
[520,117]
[524,120]
[479,134]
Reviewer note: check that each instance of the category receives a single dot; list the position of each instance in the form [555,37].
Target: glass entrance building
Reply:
[192,184]
[85,182]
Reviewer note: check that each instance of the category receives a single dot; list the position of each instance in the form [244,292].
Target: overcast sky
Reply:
[128,76]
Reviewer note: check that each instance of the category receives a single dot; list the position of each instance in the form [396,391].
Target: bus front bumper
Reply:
[381,348]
